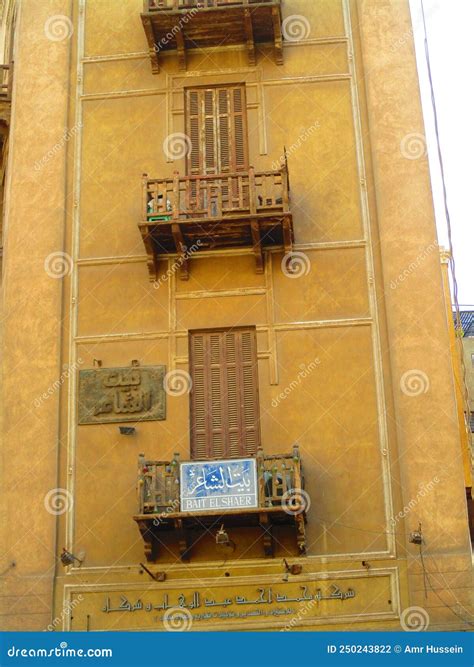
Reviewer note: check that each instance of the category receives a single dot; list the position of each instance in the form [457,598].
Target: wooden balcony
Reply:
[159,505]
[179,25]
[190,214]
[6,81]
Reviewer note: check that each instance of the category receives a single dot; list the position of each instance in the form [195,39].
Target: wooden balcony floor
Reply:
[185,525]
[190,236]
[221,25]
[260,231]
[237,515]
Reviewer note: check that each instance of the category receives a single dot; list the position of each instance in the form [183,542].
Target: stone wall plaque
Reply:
[121,394]
[241,603]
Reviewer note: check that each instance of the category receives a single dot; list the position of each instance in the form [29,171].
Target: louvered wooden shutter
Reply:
[193,120]
[224,396]
[216,122]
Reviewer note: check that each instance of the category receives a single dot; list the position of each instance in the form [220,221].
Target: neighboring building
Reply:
[467,328]
[458,326]
[219,238]
[467,323]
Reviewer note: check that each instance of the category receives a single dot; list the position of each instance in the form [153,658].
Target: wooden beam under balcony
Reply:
[181,250]
[185,215]
[257,245]
[180,25]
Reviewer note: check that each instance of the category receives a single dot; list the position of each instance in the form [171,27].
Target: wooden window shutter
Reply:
[216,122]
[238,115]
[194,164]
[224,396]
[209,139]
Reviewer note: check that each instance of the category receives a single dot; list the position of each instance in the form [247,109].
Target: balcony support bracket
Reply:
[149,540]
[300,520]
[257,245]
[183,539]
[267,531]
[287,235]
[152,47]
[181,47]
[181,250]
[152,260]
[249,36]
[276,16]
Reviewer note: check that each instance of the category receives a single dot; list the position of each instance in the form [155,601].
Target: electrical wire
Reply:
[458,325]
[426,574]
[452,263]
[426,578]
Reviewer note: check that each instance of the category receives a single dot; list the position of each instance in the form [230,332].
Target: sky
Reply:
[449,28]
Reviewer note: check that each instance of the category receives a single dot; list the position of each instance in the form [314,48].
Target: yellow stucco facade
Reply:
[375,417]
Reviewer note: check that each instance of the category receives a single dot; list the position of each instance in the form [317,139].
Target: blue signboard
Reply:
[218,485]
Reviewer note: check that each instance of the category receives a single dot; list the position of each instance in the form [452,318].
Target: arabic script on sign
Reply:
[121,394]
[220,485]
[266,596]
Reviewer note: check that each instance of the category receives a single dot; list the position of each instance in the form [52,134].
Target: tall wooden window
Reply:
[224,396]
[216,122]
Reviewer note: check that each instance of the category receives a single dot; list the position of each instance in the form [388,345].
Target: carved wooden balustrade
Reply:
[179,25]
[163,5]
[6,80]
[188,214]
[280,502]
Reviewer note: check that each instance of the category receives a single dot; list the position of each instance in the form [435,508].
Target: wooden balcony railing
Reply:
[279,479]
[6,80]
[180,25]
[187,214]
[166,5]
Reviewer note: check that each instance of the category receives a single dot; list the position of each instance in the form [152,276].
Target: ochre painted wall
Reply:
[362,214]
